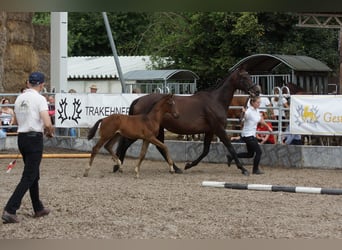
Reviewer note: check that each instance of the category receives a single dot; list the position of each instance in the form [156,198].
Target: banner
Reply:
[83,110]
[316,114]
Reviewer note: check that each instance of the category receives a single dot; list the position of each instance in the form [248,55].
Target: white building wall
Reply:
[103,86]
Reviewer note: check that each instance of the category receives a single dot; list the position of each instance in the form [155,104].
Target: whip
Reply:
[12,164]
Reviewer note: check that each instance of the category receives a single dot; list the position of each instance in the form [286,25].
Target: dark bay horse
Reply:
[204,112]
[140,126]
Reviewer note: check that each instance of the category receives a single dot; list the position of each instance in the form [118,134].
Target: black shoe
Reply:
[9,218]
[257,171]
[229,160]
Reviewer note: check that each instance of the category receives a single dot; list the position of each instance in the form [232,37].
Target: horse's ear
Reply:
[242,68]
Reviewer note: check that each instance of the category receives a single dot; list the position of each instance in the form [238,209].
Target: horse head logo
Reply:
[308,115]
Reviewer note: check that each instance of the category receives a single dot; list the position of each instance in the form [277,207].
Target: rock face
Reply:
[24,48]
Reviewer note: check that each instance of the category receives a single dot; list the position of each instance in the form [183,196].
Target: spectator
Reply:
[291,139]
[52,108]
[7,116]
[93,88]
[264,138]
[265,105]
[278,104]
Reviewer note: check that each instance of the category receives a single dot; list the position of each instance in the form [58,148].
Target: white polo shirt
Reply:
[252,117]
[27,110]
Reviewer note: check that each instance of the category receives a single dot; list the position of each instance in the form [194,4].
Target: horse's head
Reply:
[246,84]
[173,109]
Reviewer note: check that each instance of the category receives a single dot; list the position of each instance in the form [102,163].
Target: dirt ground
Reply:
[161,205]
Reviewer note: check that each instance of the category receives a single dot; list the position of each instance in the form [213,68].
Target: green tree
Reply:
[209,43]
[88,36]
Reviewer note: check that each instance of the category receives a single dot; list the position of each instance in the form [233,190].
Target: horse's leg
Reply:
[94,151]
[124,144]
[206,146]
[162,146]
[143,151]
[226,141]
[109,147]
[160,137]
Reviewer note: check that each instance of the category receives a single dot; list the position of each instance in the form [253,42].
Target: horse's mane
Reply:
[218,84]
[154,103]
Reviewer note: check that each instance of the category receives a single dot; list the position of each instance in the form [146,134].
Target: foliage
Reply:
[42,18]
[87,33]
[208,43]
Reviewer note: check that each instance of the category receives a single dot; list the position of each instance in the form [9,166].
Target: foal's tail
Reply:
[92,131]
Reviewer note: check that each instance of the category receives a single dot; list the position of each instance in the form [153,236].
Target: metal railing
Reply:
[280,131]
[59,132]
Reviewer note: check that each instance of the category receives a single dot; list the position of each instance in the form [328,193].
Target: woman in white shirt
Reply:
[248,135]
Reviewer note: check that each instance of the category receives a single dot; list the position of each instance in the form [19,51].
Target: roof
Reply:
[171,74]
[104,67]
[267,62]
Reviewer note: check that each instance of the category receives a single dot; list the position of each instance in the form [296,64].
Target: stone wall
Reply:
[24,48]
[322,157]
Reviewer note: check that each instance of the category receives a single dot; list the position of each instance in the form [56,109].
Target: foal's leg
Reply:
[160,137]
[109,147]
[226,141]
[206,146]
[124,144]
[161,145]
[143,150]
[94,151]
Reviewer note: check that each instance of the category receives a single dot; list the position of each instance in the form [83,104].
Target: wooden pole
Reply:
[10,156]
[340,49]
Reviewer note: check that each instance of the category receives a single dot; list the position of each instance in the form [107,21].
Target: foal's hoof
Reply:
[188,165]
[116,168]
[245,172]
[85,175]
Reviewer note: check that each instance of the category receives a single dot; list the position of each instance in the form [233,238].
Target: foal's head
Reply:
[170,105]
[244,82]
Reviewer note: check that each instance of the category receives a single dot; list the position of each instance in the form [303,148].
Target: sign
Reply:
[316,114]
[83,110]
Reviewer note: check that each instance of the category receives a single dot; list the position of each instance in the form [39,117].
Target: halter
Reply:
[241,81]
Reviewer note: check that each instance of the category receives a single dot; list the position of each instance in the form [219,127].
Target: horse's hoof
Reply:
[178,171]
[245,172]
[187,166]
[85,175]
[171,172]
[116,168]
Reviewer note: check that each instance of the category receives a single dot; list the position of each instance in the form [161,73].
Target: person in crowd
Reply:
[32,117]
[279,103]
[7,116]
[292,139]
[251,118]
[93,88]
[264,138]
[52,108]
[265,105]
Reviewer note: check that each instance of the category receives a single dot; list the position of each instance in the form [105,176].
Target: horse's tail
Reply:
[92,131]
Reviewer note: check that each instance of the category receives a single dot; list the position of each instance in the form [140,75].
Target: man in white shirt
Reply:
[32,117]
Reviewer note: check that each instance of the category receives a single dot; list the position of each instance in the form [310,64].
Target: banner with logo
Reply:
[83,110]
[316,114]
